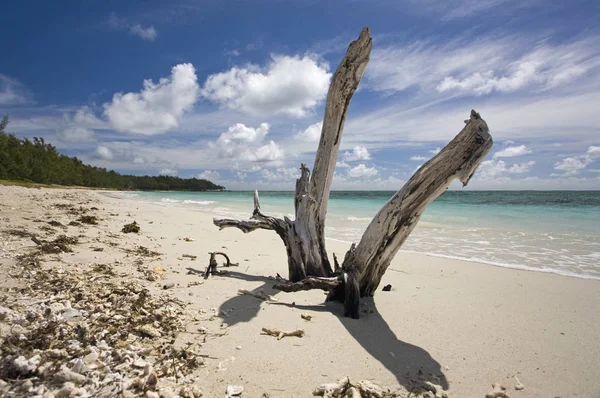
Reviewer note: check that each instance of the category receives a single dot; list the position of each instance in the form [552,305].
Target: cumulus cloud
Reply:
[281,174]
[289,85]
[210,175]
[311,134]
[573,165]
[168,172]
[490,169]
[362,171]
[418,158]
[76,134]
[246,143]
[358,153]
[158,107]
[512,151]
[104,153]
[342,165]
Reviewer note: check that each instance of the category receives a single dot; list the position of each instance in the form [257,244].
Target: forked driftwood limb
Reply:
[281,334]
[365,263]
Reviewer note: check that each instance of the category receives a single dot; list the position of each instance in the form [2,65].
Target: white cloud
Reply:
[76,134]
[149,33]
[362,171]
[210,175]
[490,169]
[281,174]
[418,158]
[145,33]
[311,134]
[593,152]
[240,134]
[482,66]
[168,172]
[512,151]
[455,9]
[241,175]
[290,85]
[12,92]
[573,165]
[244,143]
[158,107]
[342,165]
[104,153]
[435,151]
[358,153]
[484,83]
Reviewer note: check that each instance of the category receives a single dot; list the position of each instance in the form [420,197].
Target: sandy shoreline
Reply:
[467,324]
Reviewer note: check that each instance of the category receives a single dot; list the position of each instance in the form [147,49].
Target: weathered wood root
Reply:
[259,295]
[281,334]
[309,283]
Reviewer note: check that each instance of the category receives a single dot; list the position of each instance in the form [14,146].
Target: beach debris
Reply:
[346,388]
[259,294]
[75,224]
[55,223]
[306,316]
[437,390]
[72,336]
[387,288]
[195,283]
[92,220]
[133,227]
[281,334]
[519,386]
[212,264]
[58,245]
[498,391]
[190,256]
[234,391]
[168,285]
[189,239]
[17,232]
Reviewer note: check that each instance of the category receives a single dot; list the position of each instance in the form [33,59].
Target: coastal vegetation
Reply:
[39,162]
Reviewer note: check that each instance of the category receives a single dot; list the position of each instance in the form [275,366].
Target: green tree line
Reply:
[40,162]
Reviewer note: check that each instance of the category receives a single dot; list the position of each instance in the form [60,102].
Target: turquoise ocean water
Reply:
[553,231]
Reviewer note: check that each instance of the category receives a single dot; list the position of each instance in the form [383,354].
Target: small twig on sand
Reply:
[306,316]
[281,334]
[259,295]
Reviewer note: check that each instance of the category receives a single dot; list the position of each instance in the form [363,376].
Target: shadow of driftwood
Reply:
[409,363]
[242,308]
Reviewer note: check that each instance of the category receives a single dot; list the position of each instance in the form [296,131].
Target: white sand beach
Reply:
[460,324]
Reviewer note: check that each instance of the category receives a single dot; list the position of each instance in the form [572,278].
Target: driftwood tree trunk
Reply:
[304,237]
[364,264]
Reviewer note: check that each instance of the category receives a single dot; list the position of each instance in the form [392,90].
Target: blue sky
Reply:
[233,91]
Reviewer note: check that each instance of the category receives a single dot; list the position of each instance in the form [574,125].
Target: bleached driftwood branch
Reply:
[364,264]
[304,237]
